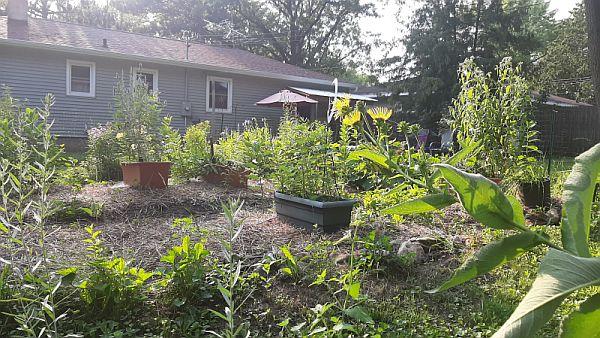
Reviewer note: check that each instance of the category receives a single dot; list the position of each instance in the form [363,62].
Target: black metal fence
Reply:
[567,131]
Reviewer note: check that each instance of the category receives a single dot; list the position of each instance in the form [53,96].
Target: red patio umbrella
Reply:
[283,97]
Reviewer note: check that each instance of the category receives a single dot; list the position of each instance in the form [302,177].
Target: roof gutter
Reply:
[116,55]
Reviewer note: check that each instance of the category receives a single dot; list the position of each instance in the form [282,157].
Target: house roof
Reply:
[88,40]
[554,100]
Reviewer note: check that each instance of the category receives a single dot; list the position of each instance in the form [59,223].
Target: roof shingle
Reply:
[56,33]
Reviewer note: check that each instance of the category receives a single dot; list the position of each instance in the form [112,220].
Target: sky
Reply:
[388,28]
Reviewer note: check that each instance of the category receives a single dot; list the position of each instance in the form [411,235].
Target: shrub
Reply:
[137,122]
[102,156]
[187,272]
[22,130]
[250,149]
[194,156]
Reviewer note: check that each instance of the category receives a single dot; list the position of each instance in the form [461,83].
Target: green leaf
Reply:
[560,274]
[483,199]
[585,322]
[286,252]
[354,290]
[359,314]
[420,205]
[370,155]
[469,148]
[577,202]
[490,257]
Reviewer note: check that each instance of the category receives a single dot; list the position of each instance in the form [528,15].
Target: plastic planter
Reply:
[151,175]
[305,213]
[536,194]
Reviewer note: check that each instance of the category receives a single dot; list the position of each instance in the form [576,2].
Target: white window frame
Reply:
[229,94]
[154,73]
[92,66]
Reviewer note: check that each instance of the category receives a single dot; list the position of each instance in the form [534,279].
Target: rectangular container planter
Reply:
[152,175]
[305,213]
[220,174]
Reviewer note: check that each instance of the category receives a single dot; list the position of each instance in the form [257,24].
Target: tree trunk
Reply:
[592,11]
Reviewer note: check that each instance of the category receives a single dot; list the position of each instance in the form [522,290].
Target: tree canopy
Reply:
[564,67]
[443,33]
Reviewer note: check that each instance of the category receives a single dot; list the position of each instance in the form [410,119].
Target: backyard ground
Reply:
[142,225]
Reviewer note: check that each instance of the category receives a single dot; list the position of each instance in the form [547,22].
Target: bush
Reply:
[22,130]
[251,149]
[102,157]
[113,289]
[193,157]
[187,272]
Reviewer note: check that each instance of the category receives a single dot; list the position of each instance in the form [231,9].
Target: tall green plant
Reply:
[137,121]
[305,161]
[494,110]
[564,270]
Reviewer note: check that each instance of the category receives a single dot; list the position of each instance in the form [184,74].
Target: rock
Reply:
[431,243]
[553,216]
[412,248]
[341,258]
[461,241]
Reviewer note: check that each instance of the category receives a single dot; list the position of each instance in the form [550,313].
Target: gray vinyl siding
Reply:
[32,73]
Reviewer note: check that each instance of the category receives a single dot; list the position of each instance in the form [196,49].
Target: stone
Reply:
[412,248]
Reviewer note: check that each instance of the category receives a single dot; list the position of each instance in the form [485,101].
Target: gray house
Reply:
[80,65]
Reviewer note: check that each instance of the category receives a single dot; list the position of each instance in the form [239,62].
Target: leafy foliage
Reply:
[305,162]
[495,110]
[113,289]
[441,34]
[563,70]
[562,271]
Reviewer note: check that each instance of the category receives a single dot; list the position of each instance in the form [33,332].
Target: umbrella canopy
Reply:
[285,96]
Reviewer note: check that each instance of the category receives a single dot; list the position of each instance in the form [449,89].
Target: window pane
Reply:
[147,79]
[219,92]
[80,79]
[221,87]
[210,95]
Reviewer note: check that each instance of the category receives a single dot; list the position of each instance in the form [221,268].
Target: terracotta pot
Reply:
[220,174]
[496,180]
[305,213]
[153,175]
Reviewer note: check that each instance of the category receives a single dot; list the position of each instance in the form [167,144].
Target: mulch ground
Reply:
[137,224]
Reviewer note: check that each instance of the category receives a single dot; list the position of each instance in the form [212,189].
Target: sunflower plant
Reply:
[383,155]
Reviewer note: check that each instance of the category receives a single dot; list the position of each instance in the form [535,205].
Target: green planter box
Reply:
[305,213]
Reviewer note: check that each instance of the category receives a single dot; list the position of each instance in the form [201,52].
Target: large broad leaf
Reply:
[492,256]
[585,322]
[560,274]
[370,155]
[483,199]
[421,205]
[577,202]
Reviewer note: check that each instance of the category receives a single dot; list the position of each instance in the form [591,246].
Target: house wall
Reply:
[32,73]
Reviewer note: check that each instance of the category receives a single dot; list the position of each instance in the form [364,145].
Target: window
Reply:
[218,95]
[149,77]
[81,78]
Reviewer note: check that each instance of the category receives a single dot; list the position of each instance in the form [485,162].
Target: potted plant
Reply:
[533,183]
[494,109]
[308,190]
[226,165]
[138,132]
[228,173]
